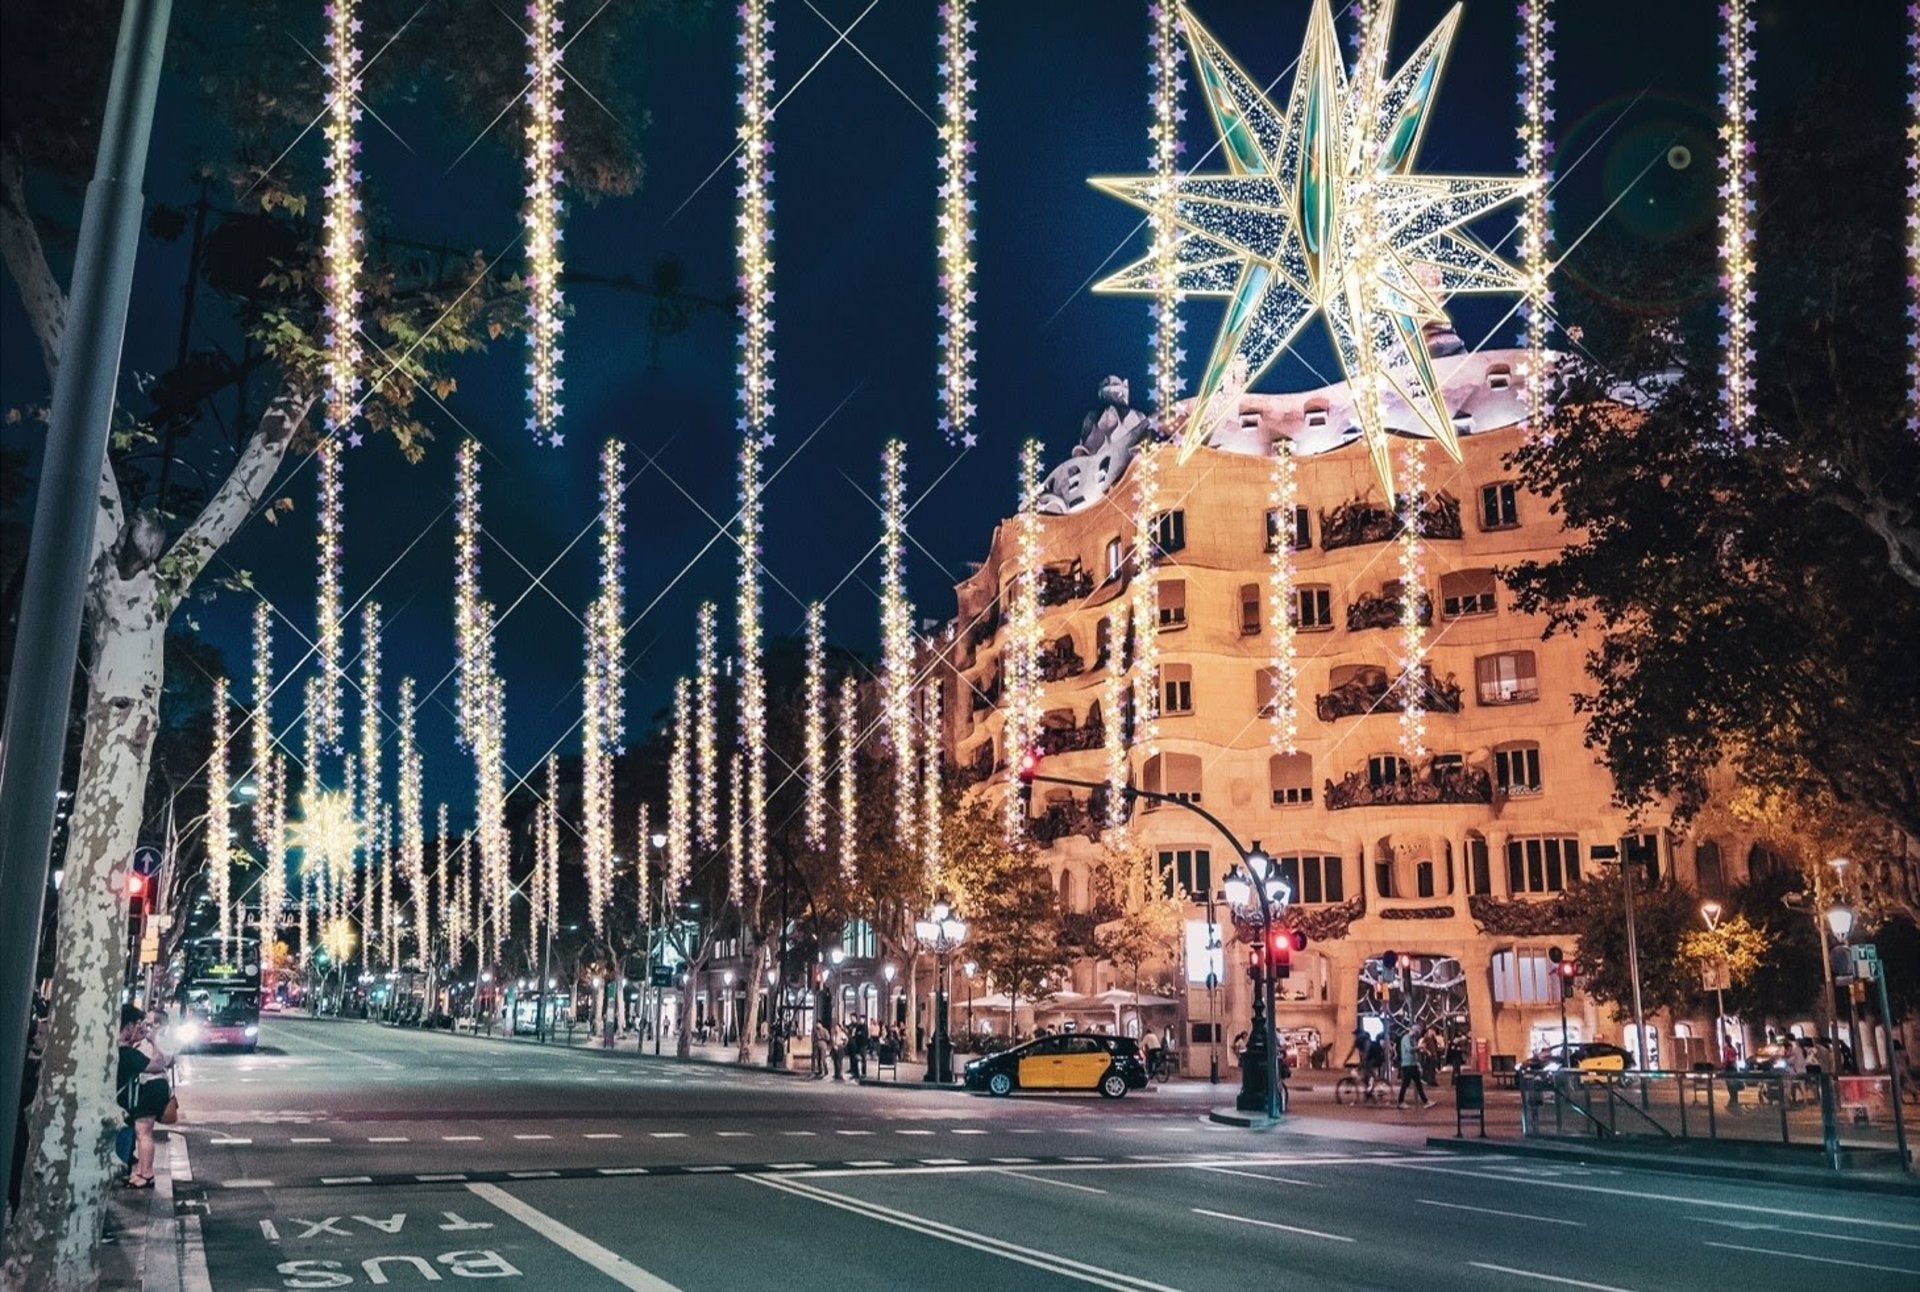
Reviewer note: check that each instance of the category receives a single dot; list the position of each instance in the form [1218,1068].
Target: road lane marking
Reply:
[533,1175]
[387,1139]
[310,1139]
[1813,1233]
[798,1134]
[346,1179]
[1271,1224]
[1546,1278]
[603,1135]
[706,1170]
[623,1170]
[913,1132]
[1059,1184]
[459,1139]
[1051,1262]
[246,1184]
[1255,1175]
[612,1264]
[943,1161]
[1012,1161]
[870,1162]
[791,1166]
[967,1130]
[668,1134]
[439,1179]
[734,1134]
[1490,1211]
[1824,1260]
[533,1137]
[852,1132]
[229,1141]
[378,1062]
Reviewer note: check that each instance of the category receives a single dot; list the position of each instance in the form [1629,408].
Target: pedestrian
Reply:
[822,1043]
[606,1035]
[1409,1046]
[857,1042]
[839,1043]
[141,1090]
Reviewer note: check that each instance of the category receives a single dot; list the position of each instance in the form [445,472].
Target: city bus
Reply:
[220,994]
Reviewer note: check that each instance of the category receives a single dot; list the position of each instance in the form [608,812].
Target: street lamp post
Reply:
[1258,898]
[1710,912]
[970,968]
[1841,926]
[940,932]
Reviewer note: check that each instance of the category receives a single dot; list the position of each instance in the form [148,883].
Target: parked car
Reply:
[1586,1056]
[1078,1061]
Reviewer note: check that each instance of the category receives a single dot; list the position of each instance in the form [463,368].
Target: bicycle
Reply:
[1160,1065]
[1351,1090]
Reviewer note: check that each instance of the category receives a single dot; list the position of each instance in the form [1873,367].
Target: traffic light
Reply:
[136,889]
[1569,974]
[1026,769]
[1281,944]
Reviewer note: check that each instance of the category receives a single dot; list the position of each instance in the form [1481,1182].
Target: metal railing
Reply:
[1850,1121]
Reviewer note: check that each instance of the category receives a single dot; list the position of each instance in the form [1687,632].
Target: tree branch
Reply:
[242,490]
[26,262]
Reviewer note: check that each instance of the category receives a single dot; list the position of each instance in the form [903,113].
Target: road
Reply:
[347,1154]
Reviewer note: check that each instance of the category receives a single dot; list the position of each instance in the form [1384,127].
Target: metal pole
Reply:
[1627,863]
[53,592]
[1893,1073]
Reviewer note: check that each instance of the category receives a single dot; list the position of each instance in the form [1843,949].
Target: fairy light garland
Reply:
[736,831]
[1913,220]
[1020,670]
[413,841]
[1113,738]
[750,797]
[679,842]
[1413,630]
[954,222]
[849,779]
[1283,498]
[341,233]
[471,646]
[814,736]
[382,847]
[1362,233]
[261,718]
[328,631]
[543,898]
[603,718]
[932,836]
[273,876]
[1536,148]
[219,824]
[543,210]
[706,722]
[642,869]
[310,863]
[1169,53]
[754,220]
[480,703]
[444,900]
[1145,607]
[1736,212]
[896,635]
[370,763]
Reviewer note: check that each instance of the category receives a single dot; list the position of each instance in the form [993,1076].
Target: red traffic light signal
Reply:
[1281,944]
[1029,766]
[136,885]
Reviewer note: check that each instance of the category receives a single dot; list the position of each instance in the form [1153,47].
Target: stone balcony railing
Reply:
[1443,784]
[1360,521]
[1371,690]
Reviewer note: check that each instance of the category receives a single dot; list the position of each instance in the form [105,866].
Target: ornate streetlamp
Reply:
[1258,898]
[970,968]
[941,932]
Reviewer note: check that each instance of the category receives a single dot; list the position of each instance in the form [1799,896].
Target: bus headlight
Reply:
[251,1030]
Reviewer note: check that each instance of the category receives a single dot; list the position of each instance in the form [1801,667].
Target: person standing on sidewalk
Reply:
[1409,1047]
[839,1050]
[822,1043]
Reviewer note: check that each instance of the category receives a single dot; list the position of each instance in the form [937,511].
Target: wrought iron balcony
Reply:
[1361,520]
[1372,690]
[1435,783]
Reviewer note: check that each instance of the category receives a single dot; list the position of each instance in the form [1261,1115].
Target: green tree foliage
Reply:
[1008,898]
[1664,915]
[1757,588]
[1148,930]
[1786,984]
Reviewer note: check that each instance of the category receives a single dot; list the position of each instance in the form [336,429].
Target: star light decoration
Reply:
[1736,212]
[755,216]
[849,780]
[370,764]
[750,798]
[544,901]
[1021,705]
[1413,602]
[1913,219]
[544,207]
[955,222]
[480,701]
[679,798]
[737,832]
[1162,227]
[328,634]
[1283,714]
[814,736]
[413,842]
[1113,736]
[219,836]
[603,717]
[1536,208]
[341,234]
[706,719]
[262,731]
[1319,212]
[896,635]
[642,873]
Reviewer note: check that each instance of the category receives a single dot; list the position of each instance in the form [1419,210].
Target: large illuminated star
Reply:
[1319,212]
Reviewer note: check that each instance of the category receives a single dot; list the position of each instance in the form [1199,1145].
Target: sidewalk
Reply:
[149,1244]
[1650,1159]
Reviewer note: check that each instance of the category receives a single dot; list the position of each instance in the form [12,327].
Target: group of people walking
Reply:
[851,1046]
[1415,1051]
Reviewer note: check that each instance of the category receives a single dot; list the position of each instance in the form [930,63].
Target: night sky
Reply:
[1063,94]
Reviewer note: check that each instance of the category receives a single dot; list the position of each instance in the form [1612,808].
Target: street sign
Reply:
[146,861]
[150,947]
[1716,975]
[662,976]
[1866,961]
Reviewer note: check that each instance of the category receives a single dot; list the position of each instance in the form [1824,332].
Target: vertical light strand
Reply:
[896,636]
[706,722]
[1413,603]
[642,877]
[470,644]
[1145,601]
[1360,233]
[542,212]
[480,706]
[413,841]
[932,839]
[1913,220]
[737,830]
[1736,212]
[679,843]
[219,841]
[327,627]
[1113,736]
[311,863]
[445,903]
[954,221]
[1536,234]
[754,220]
[849,779]
[814,742]
[370,761]
[750,797]
[1020,664]
[1283,498]
[604,716]
[341,233]
[543,897]
[262,731]
[1169,53]
[273,875]
[389,926]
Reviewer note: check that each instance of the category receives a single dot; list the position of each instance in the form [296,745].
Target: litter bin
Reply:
[1469,1100]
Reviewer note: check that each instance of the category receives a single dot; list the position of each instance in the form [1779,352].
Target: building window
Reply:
[1316,413]
[1643,850]
[1176,688]
[1423,878]
[1315,879]
[1479,865]
[1116,559]
[1066,891]
[1708,876]
[1542,864]
[1170,532]
[1507,678]
[1186,871]
[1384,770]
[1290,777]
[1251,619]
[1523,978]
[1499,376]
[1302,536]
[1466,592]
[1173,603]
[1313,608]
[857,939]
[1174,775]
[1516,769]
[1499,505]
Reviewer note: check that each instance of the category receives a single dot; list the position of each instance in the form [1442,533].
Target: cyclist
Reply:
[1373,1073]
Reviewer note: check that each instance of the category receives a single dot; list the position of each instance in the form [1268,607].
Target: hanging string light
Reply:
[679,847]
[542,219]
[750,797]
[1536,150]
[543,896]
[849,779]
[480,702]
[706,718]
[1414,604]
[1145,607]
[755,219]
[603,718]
[1113,736]
[444,901]
[370,764]
[388,925]
[1283,499]
[273,874]
[1736,212]
[476,922]
[1164,136]
[413,842]
[1020,686]
[261,719]
[1913,219]
[955,222]
[896,635]
[932,841]
[311,863]
[814,769]
[341,234]
[736,831]
[219,840]
[643,852]
[328,632]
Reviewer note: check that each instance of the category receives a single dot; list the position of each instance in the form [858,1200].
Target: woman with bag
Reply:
[142,1091]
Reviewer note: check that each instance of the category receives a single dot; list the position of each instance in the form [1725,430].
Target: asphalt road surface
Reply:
[348,1154]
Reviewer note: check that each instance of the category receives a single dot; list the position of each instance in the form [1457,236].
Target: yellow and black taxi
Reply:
[1072,1061]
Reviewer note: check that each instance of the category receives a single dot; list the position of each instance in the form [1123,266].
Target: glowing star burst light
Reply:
[340,228]
[543,210]
[896,634]
[706,718]
[219,839]
[814,771]
[1021,670]
[754,221]
[1536,233]
[1283,500]
[1319,213]
[1736,211]
[1164,136]
[955,221]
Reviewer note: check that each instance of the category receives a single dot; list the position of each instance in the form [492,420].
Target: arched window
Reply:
[1707,874]
[1066,891]
[1290,777]
[1177,775]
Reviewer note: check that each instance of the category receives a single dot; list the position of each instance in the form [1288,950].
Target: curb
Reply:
[1761,1174]
[1250,1121]
[615,1053]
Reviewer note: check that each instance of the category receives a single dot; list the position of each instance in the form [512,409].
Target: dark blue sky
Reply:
[1063,93]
